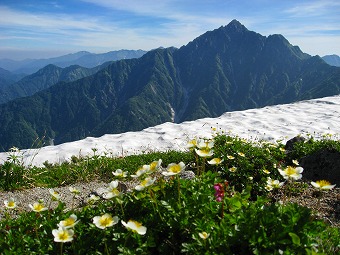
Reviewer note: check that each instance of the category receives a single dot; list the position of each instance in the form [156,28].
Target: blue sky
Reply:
[41,29]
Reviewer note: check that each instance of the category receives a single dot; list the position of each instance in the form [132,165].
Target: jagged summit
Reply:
[236,26]
[230,68]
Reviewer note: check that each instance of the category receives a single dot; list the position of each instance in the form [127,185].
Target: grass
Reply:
[227,209]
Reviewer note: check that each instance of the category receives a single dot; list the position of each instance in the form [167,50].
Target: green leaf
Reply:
[235,203]
[295,238]
[167,206]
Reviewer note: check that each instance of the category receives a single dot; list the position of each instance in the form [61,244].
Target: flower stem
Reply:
[106,249]
[61,248]
[155,206]
[179,190]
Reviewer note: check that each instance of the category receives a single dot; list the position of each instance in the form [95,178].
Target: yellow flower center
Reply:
[144,182]
[115,191]
[105,220]
[323,183]
[63,235]
[193,142]
[232,169]
[69,222]
[175,169]
[204,235]
[153,166]
[290,170]
[38,207]
[217,160]
[11,204]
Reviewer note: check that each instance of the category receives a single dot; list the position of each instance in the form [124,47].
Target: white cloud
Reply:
[90,32]
[313,8]
[145,7]
[56,23]
[149,24]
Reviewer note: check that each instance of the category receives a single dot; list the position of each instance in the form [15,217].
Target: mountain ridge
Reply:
[333,60]
[43,79]
[81,58]
[227,69]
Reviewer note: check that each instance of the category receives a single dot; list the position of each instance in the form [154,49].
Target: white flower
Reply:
[143,170]
[215,161]
[291,172]
[323,185]
[273,184]
[111,190]
[148,181]
[38,207]
[174,169]
[105,221]
[63,235]
[93,198]
[119,173]
[74,191]
[155,165]
[295,162]
[70,222]
[204,235]
[55,195]
[205,148]
[233,169]
[10,203]
[266,171]
[205,144]
[192,143]
[205,152]
[241,154]
[135,226]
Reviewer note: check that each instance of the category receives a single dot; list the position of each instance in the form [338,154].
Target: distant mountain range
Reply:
[43,79]
[227,69]
[82,58]
[6,77]
[333,60]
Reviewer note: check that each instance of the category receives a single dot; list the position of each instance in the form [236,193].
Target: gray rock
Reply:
[322,165]
[290,143]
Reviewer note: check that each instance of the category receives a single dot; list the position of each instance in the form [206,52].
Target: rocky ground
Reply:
[325,206]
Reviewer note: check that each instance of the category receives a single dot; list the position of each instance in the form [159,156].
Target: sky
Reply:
[43,29]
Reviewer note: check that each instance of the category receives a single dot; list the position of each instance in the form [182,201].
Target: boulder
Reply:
[322,165]
[290,143]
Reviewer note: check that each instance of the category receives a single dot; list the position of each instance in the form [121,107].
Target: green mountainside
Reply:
[43,79]
[230,68]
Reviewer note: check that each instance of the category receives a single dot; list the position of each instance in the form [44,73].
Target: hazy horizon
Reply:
[45,29]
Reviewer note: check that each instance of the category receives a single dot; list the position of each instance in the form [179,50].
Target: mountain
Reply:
[7,77]
[81,58]
[227,69]
[333,60]
[93,60]
[43,79]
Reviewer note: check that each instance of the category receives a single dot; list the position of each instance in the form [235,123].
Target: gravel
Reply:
[326,207]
